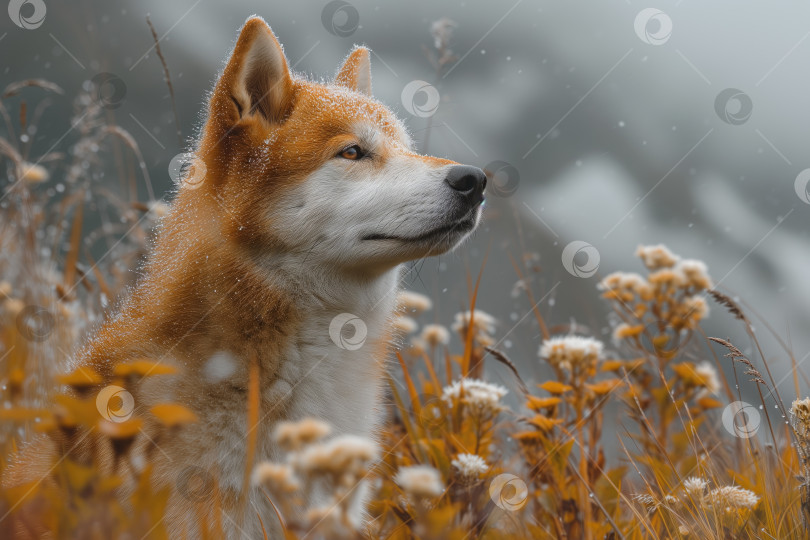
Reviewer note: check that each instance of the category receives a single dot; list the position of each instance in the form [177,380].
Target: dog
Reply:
[301,204]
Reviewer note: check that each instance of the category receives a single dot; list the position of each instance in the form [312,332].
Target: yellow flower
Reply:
[544,423]
[536,403]
[626,331]
[604,387]
[555,387]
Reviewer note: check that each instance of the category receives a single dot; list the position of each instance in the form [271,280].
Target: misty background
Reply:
[612,121]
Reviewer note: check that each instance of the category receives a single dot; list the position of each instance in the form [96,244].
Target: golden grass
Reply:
[453,461]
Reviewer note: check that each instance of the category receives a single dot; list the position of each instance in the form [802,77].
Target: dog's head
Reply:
[323,171]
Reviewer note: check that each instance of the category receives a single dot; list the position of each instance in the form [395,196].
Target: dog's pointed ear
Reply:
[256,80]
[356,71]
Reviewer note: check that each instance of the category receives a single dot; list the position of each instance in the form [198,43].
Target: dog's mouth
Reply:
[438,235]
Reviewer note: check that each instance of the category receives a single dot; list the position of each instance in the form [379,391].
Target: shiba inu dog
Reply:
[301,204]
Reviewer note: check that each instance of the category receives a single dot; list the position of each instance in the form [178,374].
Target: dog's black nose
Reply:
[469,181]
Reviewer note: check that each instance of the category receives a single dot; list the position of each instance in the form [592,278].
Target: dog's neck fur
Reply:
[322,378]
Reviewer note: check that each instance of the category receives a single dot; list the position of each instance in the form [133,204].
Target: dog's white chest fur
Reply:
[331,368]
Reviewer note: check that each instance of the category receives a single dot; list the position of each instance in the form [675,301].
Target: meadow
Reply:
[452,460]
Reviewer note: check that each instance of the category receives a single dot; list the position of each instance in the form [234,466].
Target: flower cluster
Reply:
[469,466]
[409,304]
[420,481]
[702,376]
[482,398]
[483,327]
[312,462]
[656,310]
[572,352]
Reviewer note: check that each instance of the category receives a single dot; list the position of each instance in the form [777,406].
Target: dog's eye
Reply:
[352,152]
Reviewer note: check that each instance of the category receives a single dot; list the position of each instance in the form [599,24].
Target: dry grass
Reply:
[452,461]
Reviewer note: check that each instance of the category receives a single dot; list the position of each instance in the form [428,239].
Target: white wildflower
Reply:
[569,352]
[483,326]
[404,325]
[731,497]
[627,283]
[696,273]
[696,308]
[656,257]
[413,302]
[277,477]
[695,486]
[294,435]
[435,334]
[670,501]
[157,209]
[470,466]
[708,373]
[420,481]
[482,397]
[346,457]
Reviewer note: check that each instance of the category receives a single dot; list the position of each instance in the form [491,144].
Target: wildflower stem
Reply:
[583,466]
